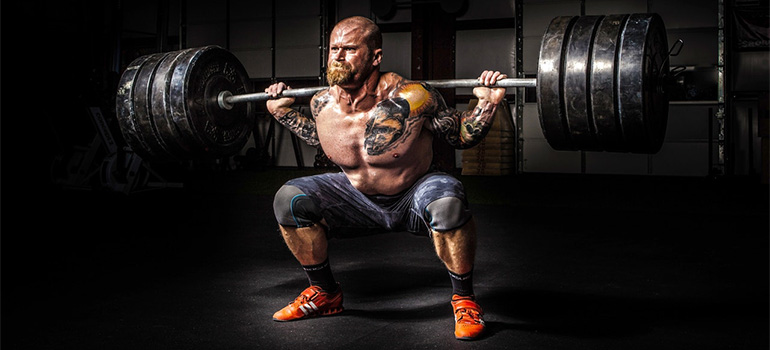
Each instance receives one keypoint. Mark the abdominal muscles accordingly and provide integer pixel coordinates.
(389, 172)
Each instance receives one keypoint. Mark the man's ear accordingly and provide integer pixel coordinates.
(377, 57)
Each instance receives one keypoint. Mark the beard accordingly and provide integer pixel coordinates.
(339, 73)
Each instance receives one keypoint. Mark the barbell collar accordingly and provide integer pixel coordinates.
(226, 99)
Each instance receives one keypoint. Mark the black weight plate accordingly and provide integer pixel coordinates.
(172, 139)
(643, 106)
(550, 77)
(143, 108)
(577, 66)
(603, 92)
(125, 107)
(198, 78)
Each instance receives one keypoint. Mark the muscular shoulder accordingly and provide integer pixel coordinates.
(422, 98)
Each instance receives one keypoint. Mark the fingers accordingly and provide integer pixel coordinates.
(276, 102)
(489, 77)
(492, 94)
(276, 89)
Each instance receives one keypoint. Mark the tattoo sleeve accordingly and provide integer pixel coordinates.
(301, 125)
(463, 129)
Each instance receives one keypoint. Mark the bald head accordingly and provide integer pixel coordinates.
(370, 32)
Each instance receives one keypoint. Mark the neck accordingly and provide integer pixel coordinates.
(360, 98)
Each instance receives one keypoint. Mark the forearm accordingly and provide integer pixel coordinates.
(465, 129)
(299, 124)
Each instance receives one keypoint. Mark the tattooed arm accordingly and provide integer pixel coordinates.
(466, 129)
(302, 126)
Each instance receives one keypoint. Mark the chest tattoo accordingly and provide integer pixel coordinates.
(388, 126)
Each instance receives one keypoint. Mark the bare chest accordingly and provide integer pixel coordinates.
(378, 136)
(341, 136)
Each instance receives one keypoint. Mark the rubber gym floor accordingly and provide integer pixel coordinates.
(565, 261)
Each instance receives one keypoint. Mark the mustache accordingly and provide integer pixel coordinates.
(339, 73)
(340, 65)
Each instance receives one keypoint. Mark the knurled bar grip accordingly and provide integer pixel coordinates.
(226, 99)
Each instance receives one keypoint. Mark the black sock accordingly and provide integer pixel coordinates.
(321, 275)
(462, 284)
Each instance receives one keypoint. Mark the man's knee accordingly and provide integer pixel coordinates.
(292, 207)
(447, 213)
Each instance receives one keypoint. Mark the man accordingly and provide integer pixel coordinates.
(379, 128)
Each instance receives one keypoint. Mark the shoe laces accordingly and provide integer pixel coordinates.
(304, 298)
(473, 314)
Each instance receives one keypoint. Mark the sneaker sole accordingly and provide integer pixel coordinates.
(468, 338)
(323, 313)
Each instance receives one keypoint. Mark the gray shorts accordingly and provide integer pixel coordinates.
(348, 212)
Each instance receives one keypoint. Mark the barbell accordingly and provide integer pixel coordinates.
(600, 87)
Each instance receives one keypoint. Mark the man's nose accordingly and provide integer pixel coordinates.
(338, 56)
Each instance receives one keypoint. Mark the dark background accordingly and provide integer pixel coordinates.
(68, 253)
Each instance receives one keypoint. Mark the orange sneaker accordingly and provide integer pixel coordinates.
(469, 323)
(313, 301)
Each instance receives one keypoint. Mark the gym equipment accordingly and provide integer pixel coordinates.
(601, 86)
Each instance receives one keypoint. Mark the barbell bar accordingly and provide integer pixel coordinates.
(600, 87)
(226, 99)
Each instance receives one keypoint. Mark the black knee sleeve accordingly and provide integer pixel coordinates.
(447, 213)
(292, 207)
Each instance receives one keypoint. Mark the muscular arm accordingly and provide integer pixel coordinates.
(463, 129)
(301, 125)
(466, 129)
(394, 119)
